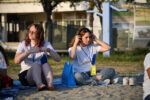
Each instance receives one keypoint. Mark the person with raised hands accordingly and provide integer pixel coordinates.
(82, 51)
(32, 54)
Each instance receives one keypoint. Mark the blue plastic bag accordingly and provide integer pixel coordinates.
(68, 75)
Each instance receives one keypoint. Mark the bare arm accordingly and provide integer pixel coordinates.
(104, 46)
(55, 55)
(73, 50)
(148, 72)
(19, 57)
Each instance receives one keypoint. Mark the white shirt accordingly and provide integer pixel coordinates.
(34, 58)
(3, 64)
(146, 83)
(82, 61)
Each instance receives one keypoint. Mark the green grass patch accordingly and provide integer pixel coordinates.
(120, 56)
(144, 22)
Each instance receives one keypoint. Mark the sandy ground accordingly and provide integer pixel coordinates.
(105, 92)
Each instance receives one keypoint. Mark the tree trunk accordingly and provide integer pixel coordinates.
(100, 17)
(91, 18)
(49, 28)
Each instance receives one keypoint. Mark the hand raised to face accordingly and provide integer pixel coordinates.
(94, 38)
(77, 39)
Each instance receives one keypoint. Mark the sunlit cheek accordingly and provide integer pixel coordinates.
(29, 35)
(88, 39)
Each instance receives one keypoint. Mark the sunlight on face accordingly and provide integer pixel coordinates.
(32, 33)
(86, 39)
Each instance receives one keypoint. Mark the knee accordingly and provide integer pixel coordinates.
(78, 76)
(108, 70)
(111, 70)
(46, 64)
(147, 97)
(107, 73)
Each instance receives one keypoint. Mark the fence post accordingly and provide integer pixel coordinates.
(107, 26)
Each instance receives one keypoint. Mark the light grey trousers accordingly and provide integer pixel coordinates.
(40, 74)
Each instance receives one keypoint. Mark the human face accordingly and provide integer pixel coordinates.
(86, 39)
(32, 33)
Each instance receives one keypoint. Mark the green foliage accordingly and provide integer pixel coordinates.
(116, 13)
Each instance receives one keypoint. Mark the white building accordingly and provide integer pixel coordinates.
(16, 15)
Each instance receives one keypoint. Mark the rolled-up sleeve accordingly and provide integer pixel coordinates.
(97, 48)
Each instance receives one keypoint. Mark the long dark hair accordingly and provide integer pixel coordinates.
(4, 54)
(81, 32)
(39, 35)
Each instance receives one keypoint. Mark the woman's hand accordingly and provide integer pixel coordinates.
(94, 38)
(43, 49)
(33, 50)
(53, 54)
(104, 46)
(73, 51)
(77, 39)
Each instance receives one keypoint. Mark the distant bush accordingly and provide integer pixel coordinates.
(116, 13)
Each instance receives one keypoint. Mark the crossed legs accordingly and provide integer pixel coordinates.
(85, 77)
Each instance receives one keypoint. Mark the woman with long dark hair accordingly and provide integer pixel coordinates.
(32, 54)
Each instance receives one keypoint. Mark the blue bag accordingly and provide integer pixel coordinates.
(68, 75)
(44, 59)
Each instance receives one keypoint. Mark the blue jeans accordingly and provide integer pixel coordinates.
(147, 97)
(84, 78)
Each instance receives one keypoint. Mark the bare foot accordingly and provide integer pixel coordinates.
(98, 77)
(42, 87)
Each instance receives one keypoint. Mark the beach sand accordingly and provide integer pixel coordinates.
(103, 92)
